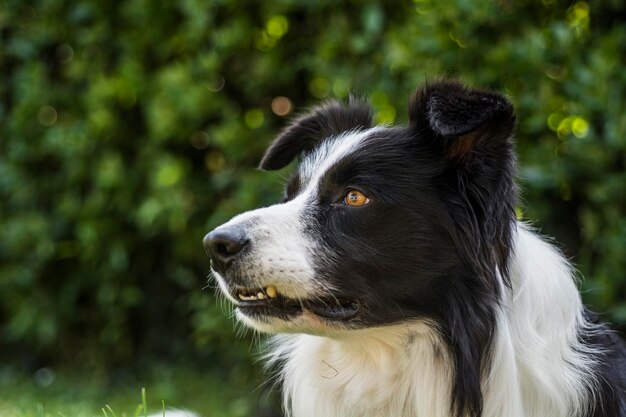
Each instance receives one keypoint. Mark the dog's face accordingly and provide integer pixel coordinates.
(377, 221)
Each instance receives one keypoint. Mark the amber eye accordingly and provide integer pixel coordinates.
(355, 199)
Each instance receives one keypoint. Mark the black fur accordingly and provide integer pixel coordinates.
(610, 398)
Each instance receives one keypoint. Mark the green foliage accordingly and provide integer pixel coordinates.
(61, 395)
(129, 129)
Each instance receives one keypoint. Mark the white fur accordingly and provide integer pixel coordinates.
(539, 368)
(542, 322)
(328, 153)
(398, 371)
(175, 413)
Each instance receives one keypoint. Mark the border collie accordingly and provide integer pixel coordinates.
(399, 280)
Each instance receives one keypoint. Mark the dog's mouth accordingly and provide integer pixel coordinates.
(267, 301)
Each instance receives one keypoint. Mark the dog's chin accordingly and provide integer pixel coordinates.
(304, 322)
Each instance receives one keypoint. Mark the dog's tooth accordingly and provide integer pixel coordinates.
(260, 296)
(271, 291)
(248, 297)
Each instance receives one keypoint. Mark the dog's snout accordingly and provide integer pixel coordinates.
(225, 244)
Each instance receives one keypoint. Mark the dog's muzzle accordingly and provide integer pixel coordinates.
(229, 248)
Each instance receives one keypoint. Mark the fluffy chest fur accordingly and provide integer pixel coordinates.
(396, 371)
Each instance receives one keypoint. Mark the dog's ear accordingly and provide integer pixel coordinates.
(471, 130)
(308, 130)
(468, 124)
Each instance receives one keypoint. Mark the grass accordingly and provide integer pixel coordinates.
(47, 394)
(142, 409)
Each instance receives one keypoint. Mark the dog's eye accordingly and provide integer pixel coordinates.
(355, 198)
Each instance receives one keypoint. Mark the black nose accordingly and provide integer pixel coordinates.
(224, 244)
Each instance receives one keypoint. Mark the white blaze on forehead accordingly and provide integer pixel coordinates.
(324, 157)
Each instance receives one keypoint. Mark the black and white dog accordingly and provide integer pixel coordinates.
(399, 279)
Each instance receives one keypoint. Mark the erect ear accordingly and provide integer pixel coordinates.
(308, 130)
(467, 123)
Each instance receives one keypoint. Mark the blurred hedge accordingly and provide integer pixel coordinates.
(128, 129)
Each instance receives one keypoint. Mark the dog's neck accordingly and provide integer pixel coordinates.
(404, 370)
(393, 371)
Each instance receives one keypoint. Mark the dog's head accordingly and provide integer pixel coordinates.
(379, 224)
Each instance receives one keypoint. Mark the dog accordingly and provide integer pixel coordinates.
(398, 279)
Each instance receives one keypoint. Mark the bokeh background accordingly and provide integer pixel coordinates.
(129, 129)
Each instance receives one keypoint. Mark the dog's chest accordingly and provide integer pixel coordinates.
(368, 376)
